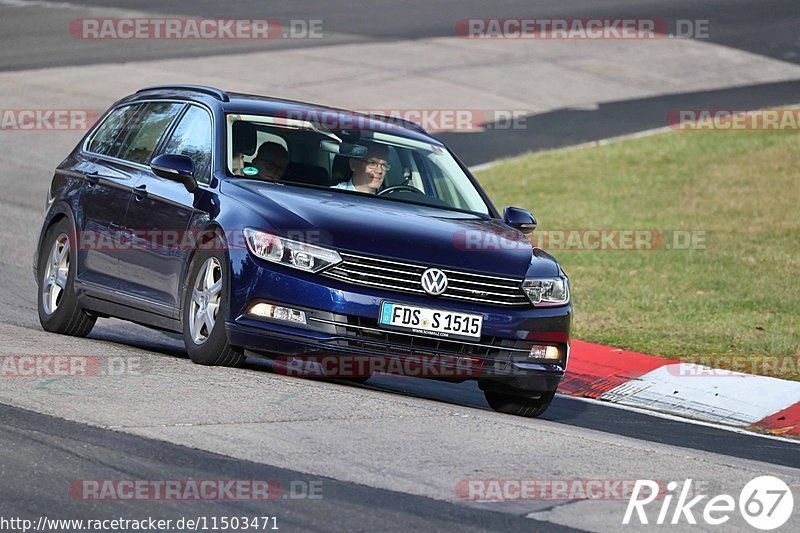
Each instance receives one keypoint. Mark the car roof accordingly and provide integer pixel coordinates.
(249, 104)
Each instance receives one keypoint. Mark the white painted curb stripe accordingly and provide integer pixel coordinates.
(707, 394)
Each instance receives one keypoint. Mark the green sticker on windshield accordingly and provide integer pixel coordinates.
(249, 171)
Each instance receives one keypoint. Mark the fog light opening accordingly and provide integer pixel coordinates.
(277, 312)
(543, 352)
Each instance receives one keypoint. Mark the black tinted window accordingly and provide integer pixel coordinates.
(142, 135)
(192, 138)
(105, 139)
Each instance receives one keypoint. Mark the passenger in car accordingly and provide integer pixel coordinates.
(238, 164)
(369, 171)
(271, 161)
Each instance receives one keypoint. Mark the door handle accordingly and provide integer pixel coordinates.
(140, 191)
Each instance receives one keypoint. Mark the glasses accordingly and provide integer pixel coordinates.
(374, 163)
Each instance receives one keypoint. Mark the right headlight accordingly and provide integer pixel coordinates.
(294, 254)
(547, 292)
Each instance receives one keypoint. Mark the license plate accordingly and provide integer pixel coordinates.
(433, 322)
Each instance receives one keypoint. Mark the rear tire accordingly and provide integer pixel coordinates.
(519, 406)
(59, 311)
(204, 310)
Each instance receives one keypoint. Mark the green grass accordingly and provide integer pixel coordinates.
(740, 295)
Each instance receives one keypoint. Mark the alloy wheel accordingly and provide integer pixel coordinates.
(55, 274)
(206, 298)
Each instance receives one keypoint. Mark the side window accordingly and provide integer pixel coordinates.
(104, 141)
(192, 138)
(395, 174)
(143, 134)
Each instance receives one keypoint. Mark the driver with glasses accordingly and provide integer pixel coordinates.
(369, 171)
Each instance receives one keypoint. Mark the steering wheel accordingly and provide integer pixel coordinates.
(408, 188)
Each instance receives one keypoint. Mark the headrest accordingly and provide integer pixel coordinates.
(341, 170)
(244, 137)
(308, 174)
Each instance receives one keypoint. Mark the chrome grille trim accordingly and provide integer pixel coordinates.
(346, 255)
(406, 277)
(493, 278)
(379, 276)
(372, 284)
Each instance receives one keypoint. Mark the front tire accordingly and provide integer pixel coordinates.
(204, 310)
(519, 406)
(59, 311)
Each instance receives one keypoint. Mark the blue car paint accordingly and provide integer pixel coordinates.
(346, 222)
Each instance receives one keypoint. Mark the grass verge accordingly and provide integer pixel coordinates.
(736, 292)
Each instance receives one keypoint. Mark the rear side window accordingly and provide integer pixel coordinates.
(192, 138)
(105, 138)
(142, 134)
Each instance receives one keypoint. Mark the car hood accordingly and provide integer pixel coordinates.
(395, 230)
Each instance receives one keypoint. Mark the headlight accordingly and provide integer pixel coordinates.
(290, 253)
(547, 292)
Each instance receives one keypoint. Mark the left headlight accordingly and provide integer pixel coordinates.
(287, 252)
(547, 292)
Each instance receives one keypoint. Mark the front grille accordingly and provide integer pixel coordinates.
(365, 333)
(406, 277)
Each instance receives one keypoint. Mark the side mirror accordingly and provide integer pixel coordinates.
(174, 167)
(519, 219)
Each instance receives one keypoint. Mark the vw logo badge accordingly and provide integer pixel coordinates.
(434, 281)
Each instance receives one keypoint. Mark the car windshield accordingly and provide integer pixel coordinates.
(349, 161)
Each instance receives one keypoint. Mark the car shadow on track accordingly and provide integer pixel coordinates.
(466, 394)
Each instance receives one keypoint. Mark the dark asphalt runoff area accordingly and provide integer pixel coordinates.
(42, 457)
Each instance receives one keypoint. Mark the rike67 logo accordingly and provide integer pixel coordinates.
(766, 503)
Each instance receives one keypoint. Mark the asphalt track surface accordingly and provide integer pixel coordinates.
(43, 454)
(34, 37)
(69, 447)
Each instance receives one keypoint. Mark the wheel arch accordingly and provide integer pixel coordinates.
(58, 212)
(212, 230)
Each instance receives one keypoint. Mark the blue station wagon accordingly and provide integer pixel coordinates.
(314, 236)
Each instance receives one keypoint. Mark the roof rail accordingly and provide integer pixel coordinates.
(212, 91)
(397, 120)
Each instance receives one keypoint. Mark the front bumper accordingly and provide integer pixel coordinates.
(342, 321)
